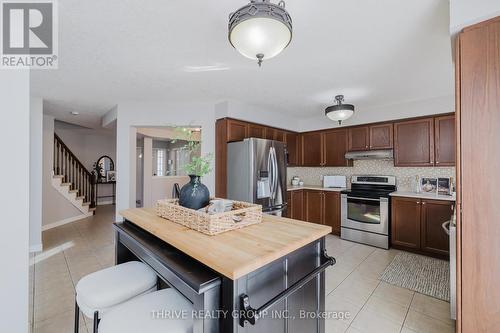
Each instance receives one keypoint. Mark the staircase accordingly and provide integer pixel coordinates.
(72, 179)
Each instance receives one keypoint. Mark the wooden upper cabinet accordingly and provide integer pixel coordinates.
(405, 222)
(312, 149)
(279, 135)
(444, 138)
(414, 142)
(335, 147)
(269, 133)
(313, 203)
(292, 145)
(236, 130)
(381, 136)
(331, 215)
(256, 131)
(433, 238)
(359, 138)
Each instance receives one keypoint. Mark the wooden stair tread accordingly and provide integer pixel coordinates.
(86, 204)
(80, 197)
(73, 191)
(92, 209)
(58, 176)
(66, 184)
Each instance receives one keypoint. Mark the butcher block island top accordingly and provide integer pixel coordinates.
(233, 253)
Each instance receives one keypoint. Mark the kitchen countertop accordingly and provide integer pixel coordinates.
(423, 195)
(315, 187)
(233, 253)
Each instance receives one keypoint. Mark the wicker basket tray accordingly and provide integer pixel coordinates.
(242, 215)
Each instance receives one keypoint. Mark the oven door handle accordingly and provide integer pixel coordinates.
(359, 198)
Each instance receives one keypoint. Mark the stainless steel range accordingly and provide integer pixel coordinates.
(365, 210)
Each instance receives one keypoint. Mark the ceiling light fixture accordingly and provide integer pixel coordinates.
(260, 30)
(340, 111)
(75, 113)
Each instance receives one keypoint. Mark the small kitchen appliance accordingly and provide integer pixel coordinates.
(365, 210)
(335, 181)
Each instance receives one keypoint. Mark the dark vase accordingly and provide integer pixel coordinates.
(194, 194)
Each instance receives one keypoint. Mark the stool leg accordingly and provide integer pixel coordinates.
(77, 317)
(96, 321)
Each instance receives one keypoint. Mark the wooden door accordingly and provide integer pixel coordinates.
(444, 140)
(405, 222)
(312, 149)
(381, 136)
(359, 138)
(256, 131)
(479, 227)
(313, 204)
(331, 215)
(292, 144)
(335, 147)
(297, 201)
(414, 142)
(236, 130)
(433, 238)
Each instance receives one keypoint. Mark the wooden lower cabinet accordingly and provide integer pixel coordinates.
(416, 225)
(321, 207)
(331, 215)
(313, 203)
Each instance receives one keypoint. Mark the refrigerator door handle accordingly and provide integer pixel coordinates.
(275, 172)
(270, 173)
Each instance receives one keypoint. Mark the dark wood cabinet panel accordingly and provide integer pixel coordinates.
(405, 222)
(381, 136)
(414, 142)
(313, 203)
(331, 216)
(270, 133)
(444, 138)
(236, 130)
(335, 147)
(359, 138)
(289, 202)
(292, 144)
(279, 135)
(312, 149)
(433, 238)
(297, 203)
(256, 131)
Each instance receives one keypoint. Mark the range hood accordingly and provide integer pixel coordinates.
(385, 154)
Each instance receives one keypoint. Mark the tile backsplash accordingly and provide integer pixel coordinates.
(405, 176)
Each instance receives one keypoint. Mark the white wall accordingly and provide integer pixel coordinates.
(15, 113)
(55, 207)
(137, 114)
(36, 160)
(433, 106)
(467, 12)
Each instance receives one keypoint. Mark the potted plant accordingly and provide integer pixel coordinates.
(195, 194)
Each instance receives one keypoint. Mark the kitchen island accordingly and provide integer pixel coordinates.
(267, 277)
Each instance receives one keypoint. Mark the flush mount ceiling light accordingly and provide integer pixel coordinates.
(75, 113)
(260, 30)
(340, 111)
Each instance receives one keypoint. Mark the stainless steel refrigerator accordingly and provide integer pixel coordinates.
(256, 172)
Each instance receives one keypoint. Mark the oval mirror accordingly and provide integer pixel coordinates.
(103, 166)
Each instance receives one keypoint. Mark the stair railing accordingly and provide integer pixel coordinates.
(74, 172)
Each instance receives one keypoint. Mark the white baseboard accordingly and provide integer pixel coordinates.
(36, 248)
(107, 202)
(65, 221)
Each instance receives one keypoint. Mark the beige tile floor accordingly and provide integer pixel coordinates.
(352, 285)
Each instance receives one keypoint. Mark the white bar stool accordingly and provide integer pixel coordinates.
(100, 291)
(164, 311)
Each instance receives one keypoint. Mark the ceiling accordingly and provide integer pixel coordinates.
(376, 53)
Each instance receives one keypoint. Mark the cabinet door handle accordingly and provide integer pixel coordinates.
(423, 202)
(437, 162)
(418, 202)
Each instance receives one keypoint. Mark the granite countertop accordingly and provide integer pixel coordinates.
(422, 195)
(315, 187)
